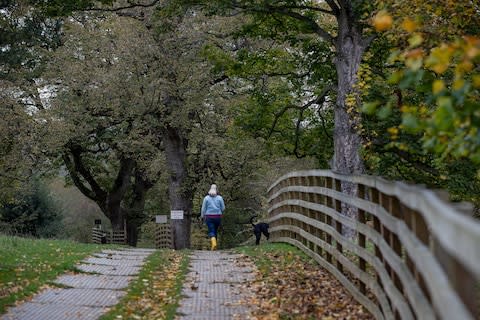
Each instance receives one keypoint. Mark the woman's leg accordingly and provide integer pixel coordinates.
(217, 222)
(212, 230)
(213, 224)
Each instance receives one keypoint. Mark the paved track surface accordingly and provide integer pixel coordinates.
(216, 287)
(85, 296)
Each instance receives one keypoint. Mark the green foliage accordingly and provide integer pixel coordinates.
(29, 264)
(62, 8)
(437, 76)
(109, 128)
(16, 138)
(24, 33)
(420, 124)
(33, 213)
(286, 102)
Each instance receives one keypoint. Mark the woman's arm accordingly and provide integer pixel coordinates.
(204, 207)
(222, 204)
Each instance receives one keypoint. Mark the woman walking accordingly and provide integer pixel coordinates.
(212, 210)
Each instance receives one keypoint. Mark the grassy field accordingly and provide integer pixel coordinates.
(26, 265)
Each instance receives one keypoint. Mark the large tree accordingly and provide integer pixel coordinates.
(342, 26)
(138, 88)
(25, 34)
(101, 122)
(188, 111)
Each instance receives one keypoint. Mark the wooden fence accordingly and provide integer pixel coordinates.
(416, 256)
(101, 236)
(163, 236)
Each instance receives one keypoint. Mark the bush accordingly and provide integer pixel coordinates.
(32, 213)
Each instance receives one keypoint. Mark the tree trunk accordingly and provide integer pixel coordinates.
(136, 214)
(350, 47)
(109, 201)
(116, 215)
(115, 197)
(133, 229)
(179, 194)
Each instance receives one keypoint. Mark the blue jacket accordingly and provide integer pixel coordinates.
(212, 205)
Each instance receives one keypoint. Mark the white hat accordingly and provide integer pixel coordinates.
(213, 190)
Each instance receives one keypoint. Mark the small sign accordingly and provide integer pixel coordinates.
(161, 219)
(176, 214)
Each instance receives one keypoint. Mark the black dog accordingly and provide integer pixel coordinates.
(258, 229)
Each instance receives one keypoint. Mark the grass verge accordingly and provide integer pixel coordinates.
(262, 256)
(291, 285)
(26, 264)
(156, 292)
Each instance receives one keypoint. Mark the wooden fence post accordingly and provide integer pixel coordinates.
(338, 224)
(463, 282)
(328, 219)
(362, 238)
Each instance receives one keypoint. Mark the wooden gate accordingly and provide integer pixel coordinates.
(163, 236)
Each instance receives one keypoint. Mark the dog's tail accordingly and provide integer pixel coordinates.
(251, 220)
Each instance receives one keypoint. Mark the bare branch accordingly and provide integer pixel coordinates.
(315, 27)
(311, 8)
(130, 6)
(297, 136)
(317, 100)
(324, 127)
(284, 10)
(96, 193)
(76, 178)
(335, 8)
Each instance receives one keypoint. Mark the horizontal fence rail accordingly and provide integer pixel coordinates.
(100, 236)
(414, 255)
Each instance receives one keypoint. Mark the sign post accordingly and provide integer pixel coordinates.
(176, 214)
(162, 219)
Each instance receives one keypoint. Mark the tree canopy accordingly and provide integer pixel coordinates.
(126, 95)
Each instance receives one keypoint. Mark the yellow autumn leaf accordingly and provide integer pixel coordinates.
(458, 84)
(414, 54)
(414, 59)
(393, 133)
(382, 21)
(473, 41)
(472, 52)
(476, 81)
(437, 86)
(409, 25)
(439, 59)
(464, 66)
(423, 110)
(414, 64)
(439, 68)
(415, 40)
